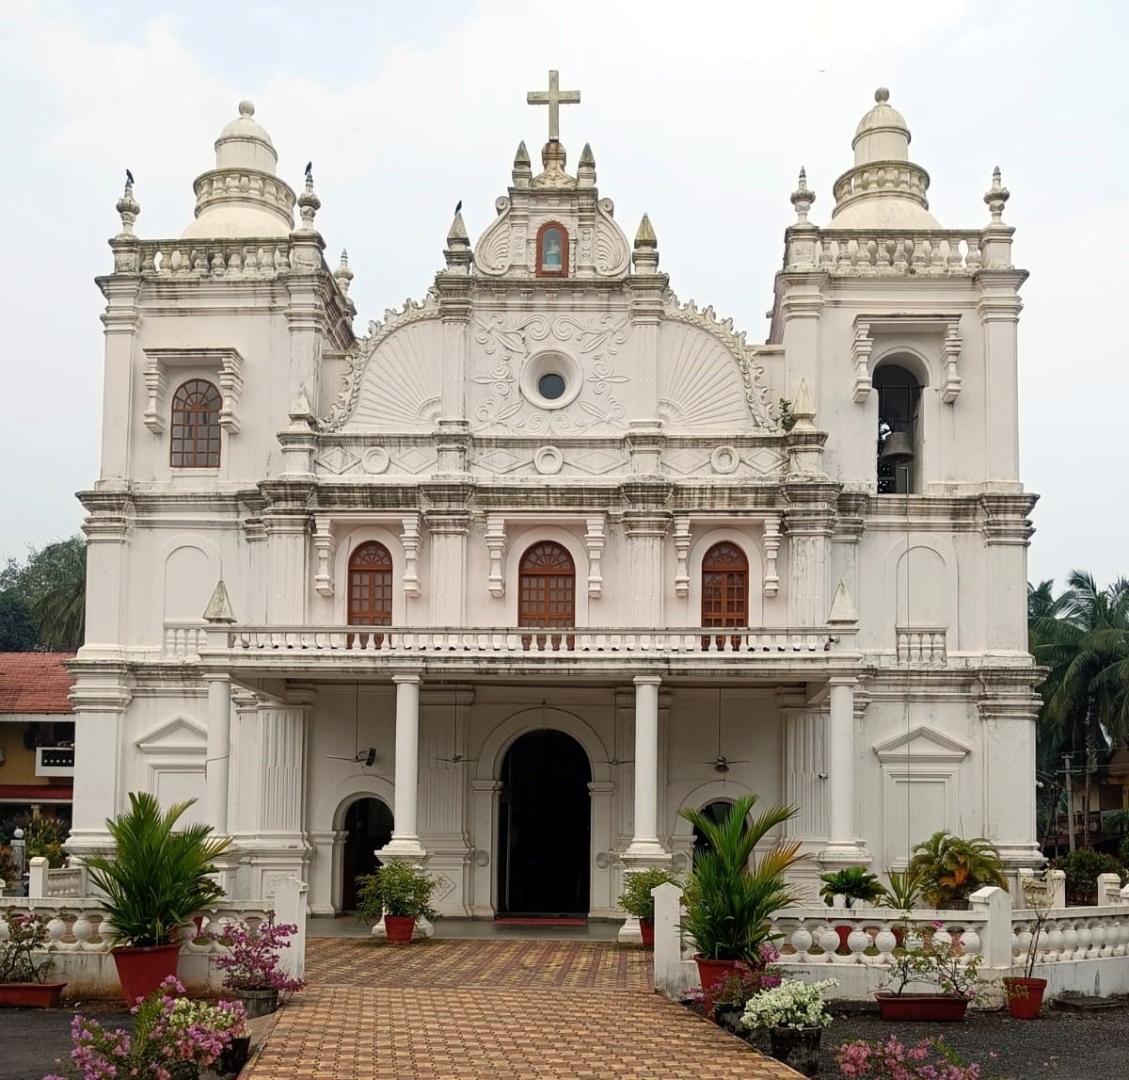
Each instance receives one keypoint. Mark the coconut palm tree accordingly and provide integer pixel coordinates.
(1082, 636)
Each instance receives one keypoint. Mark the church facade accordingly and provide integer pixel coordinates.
(508, 579)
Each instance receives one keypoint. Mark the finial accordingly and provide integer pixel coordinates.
(646, 254)
(996, 197)
(802, 198)
(308, 202)
(586, 167)
(882, 95)
(457, 252)
(344, 273)
(523, 171)
(127, 206)
(300, 410)
(457, 234)
(246, 108)
(803, 408)
(219, 607)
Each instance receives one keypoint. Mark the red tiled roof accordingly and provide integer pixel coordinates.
(36, 792)
(35, 682)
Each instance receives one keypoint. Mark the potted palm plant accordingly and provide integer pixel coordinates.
(732, 893)
(950, 869)
(848, 885)
(24, 966)
(637, 900)
(401, 891)
(154, 882)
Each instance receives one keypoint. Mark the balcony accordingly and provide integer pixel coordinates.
(595, 650)
(54, 761)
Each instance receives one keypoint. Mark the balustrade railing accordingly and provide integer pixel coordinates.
(208, 258)
(487, 642)
(895, 252)
(921, 644)
(183, 640)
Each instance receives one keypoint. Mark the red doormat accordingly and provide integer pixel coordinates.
(502, 920)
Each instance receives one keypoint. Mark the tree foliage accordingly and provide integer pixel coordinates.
(17, 627)
(50, 587)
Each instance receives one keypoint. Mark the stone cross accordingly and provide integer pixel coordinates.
(554, 98)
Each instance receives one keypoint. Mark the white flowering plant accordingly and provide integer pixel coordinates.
(792, 1004)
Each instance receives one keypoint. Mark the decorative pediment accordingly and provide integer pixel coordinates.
(922, 744)
(180, 735)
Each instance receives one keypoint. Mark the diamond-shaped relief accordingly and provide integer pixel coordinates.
(414, 460)
(444, 886)
(500, 461)
(595, 462)
(686, 461)
(337, 460)
(763, 461)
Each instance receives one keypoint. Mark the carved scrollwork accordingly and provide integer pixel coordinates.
(613, 255)
(493, 254)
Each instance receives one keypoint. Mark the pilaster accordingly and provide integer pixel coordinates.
(286, 520)
(645, 526)
(1007, 534)
(448, 524)
(121, 321)
(107, 532)
(808, 522)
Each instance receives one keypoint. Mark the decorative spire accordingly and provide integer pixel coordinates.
(219, 607)
(523, 169)
(344, 273)
(300, 412)
(802, 198)
(308, 202)
(586, 168)
(128, 206)
(803, 408)
(646, 257)
(457, 253)
(996, 197)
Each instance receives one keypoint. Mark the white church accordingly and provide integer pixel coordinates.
(505, 580)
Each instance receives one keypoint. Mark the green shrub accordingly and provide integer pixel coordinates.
(397, 888)
(45, 837)
(636, 898)
(1082, 868)
(852, 883)
(950, 869)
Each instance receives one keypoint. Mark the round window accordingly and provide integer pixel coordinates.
(551, 385)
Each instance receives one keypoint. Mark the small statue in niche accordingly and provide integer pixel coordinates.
(552, 251)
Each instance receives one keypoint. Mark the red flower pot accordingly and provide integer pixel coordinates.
(647, 930)
(399, 928)
(31, 995)
(141, 971)
(712, 972)
(1024, 996)
(942, 1007)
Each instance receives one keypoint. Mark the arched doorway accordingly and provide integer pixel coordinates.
(717, 812)
(367, 827)
(544, 827)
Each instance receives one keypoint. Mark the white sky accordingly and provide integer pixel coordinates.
(700, 114)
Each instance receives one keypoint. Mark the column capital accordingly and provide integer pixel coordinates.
(843, 680)
(408, 677)
(648, 680)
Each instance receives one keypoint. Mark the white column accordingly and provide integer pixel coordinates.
(645, 841)
(216, 768)
(405, 834)
(843, 844)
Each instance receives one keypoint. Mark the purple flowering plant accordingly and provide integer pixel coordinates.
(168, 1029)
(930, 1059)
(251, 962)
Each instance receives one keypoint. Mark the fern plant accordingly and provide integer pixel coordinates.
(951, 868)
(852, 883)
(158, 876)
(733, 893)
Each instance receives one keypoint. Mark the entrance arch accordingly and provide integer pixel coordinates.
(367, 825)
(544, 827)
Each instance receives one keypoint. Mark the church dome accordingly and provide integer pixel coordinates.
(884, 190)
(242, 196)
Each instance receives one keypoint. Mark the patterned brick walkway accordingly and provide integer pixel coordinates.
(493, 1010)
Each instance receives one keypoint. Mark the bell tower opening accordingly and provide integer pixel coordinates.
(899, 395)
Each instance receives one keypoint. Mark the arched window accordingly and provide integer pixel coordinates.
(899, 394)
(195, 442)
(547, 587)
(370, 586)
(725, 586)
(552, 250)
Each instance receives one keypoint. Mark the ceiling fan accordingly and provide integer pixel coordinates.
(456, 758)
(615, 759)
(721, 763)
(366, 757)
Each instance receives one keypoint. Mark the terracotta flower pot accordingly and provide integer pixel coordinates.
(647, 930)
(798, 1048)
(937, 1007)
(141, 971)
(712, 972)
(399, 928)
(32, 995)
(1024, 996)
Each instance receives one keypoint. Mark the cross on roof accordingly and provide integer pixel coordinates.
(554, 98)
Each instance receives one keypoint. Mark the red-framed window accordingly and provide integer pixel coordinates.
(195, 436)
(370, 586)
(552, 250)
(547, 587)
(725, 586)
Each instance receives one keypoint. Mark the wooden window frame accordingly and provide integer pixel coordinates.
(537, 266)
(735, 567)
(194, 432)
(546, 619)
(379, 580)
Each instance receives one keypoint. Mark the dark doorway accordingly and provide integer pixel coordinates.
(368, 826)
(717, 812)
(544, 823)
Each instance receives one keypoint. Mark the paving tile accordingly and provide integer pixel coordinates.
(493, 1010)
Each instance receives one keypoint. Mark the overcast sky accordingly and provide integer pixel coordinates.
(699, 113)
